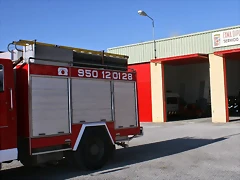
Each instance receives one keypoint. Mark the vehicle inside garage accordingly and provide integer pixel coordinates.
(233, 87)
(232, 61)
(187, 87)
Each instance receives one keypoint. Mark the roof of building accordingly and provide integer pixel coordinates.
(177, 37)
(195, 43)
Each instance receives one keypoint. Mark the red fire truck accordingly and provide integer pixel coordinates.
(60, 102)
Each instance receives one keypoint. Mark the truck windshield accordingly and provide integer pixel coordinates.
(1, 78)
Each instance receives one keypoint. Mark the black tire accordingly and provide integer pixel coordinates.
(112, 152)
(94, 150)
(27, 163)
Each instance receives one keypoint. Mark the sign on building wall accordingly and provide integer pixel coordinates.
(226, 38)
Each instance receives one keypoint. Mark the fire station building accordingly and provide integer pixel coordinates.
(200, 70)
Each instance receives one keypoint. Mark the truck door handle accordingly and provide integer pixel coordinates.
(11, 99)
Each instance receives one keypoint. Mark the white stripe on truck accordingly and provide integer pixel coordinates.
(8, 154)
(82, 131)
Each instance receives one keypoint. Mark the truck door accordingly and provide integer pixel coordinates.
(6, 92)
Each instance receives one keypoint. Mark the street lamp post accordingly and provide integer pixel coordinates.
(142, 13)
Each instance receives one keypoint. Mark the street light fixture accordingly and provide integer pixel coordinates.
(142, 13)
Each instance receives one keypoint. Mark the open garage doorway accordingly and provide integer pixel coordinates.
(232, 73)
(186, 87)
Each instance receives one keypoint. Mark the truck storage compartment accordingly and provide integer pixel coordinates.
(125, 104)
(53, 55)
(50, 105)
(91, 100)
(85, 60)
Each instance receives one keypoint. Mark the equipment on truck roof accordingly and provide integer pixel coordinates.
(81, 57)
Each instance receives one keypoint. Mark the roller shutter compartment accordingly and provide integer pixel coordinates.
(125, 104)
(91, 100)
(50, 110)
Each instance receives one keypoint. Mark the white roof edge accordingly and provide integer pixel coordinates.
(176, 37)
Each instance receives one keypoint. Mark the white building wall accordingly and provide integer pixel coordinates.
(157, 93)
(218, 98)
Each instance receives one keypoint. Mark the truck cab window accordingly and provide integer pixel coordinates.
(1, 78)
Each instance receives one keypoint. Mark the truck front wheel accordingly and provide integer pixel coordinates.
(94, 149)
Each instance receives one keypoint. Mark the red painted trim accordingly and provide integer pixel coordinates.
(22, 91)
(144, 91)
(81, 72)
(164, 96)
(60, 140)
(39, 69)
(224, 52)
(227, 54)
(137, 104)
(128, 131)
(226, 88)
(189, 56)
(49, 141)
(111, 128)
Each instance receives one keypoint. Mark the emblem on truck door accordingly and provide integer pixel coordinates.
(62, 71)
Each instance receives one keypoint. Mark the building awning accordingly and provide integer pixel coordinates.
(184, 59)
(232, 54)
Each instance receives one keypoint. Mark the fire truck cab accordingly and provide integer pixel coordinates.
(63, 102)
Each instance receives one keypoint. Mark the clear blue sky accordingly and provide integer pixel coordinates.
(100, 24)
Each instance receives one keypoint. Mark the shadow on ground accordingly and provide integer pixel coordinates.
(123, 158)
(201, 119)
(234, 119)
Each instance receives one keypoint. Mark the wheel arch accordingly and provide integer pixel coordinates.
(99, 125)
